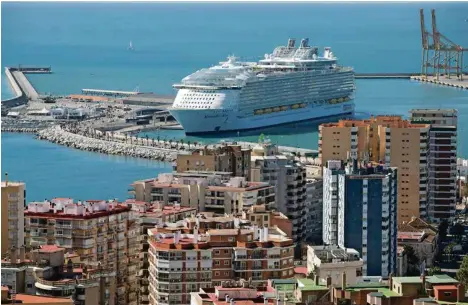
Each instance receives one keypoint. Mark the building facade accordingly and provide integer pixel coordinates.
(229, 158)
(185, 260)
(95, 230)
(289, 179)
(205, 191)
(13, 202)
(442, 161)
(392, 141)
(360, 213)
(333, 261)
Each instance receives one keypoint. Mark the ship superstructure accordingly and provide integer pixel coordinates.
(292, 84)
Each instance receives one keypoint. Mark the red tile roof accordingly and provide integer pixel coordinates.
(50, 248)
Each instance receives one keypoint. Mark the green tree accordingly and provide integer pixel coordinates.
(435, 270)
(448, 251)
(457, 230)
(462, 274)
(413, 260)
(443, 227)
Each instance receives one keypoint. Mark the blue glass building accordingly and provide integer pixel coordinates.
(360, 212)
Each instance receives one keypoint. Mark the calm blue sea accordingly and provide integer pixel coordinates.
(86, 45)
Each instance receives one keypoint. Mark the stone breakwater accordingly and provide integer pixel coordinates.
(60, 136)
(24, 126)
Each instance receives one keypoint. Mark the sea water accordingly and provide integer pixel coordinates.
(87, 46)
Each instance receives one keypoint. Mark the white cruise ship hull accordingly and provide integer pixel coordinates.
(201, 121)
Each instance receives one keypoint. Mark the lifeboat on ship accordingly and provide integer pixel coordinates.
(268, 110)
(276, 109)
(303, 105)
(258, 111)
(295, 106)
(284, 108)
(341, 100)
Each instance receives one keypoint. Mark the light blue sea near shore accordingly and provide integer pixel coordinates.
(86, 45)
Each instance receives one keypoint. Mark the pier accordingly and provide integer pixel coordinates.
(384, 75)
(21, 85)
(115, 93)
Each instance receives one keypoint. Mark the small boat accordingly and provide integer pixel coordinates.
(130, 46)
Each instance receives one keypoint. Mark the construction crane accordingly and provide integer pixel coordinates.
(442, 54)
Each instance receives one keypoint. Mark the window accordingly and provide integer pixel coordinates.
(447, 293)
(226, 263)
(216, 273)
(217, 263)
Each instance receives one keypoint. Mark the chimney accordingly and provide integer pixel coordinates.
(22, 254)
(460, 293)
(6, 179)
(195, 235)
(329, 281)
(13, 255)
(343, 281)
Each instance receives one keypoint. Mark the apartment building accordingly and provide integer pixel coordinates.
(332, 261)
(289, 179)
(46, 274)
(184, 260)
(314, 207)
(359, 212)
(442, 161)
(388, 139)
(148, 216)
(206, 191)
(228, 158)
(95, 230)
(13, 202)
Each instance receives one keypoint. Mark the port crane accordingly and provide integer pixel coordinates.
(444, 56)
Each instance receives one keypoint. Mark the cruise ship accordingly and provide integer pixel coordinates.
(293, 84)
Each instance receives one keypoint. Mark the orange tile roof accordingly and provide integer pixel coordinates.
(25, 298)
(445, 287)
(50, 248)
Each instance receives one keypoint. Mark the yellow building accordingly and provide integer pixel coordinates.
(229, 158)
(13, 202)
(389, 140)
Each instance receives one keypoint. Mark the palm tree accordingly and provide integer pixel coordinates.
(188, 143)
(170, 143)
(158, 139)
(152, 140)
(182, 142)
(147, 139)
(126, 137)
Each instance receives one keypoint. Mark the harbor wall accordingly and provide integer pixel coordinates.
(20, 98)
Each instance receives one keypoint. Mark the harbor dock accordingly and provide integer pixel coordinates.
(444, 81)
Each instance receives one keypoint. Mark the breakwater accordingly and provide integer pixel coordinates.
(26, 126)
(20, 98)
(106, 144)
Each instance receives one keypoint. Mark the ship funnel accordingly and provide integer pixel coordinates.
(305, 43)
(291, 42)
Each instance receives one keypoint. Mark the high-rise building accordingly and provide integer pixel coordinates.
(229, 158)
(390, 140)
(206, 191)
(360, 213)
(149, 215)
(314, 206)
(442, 161)
(289, 179)
(184, 260)
(98, 231)
(13, 202)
